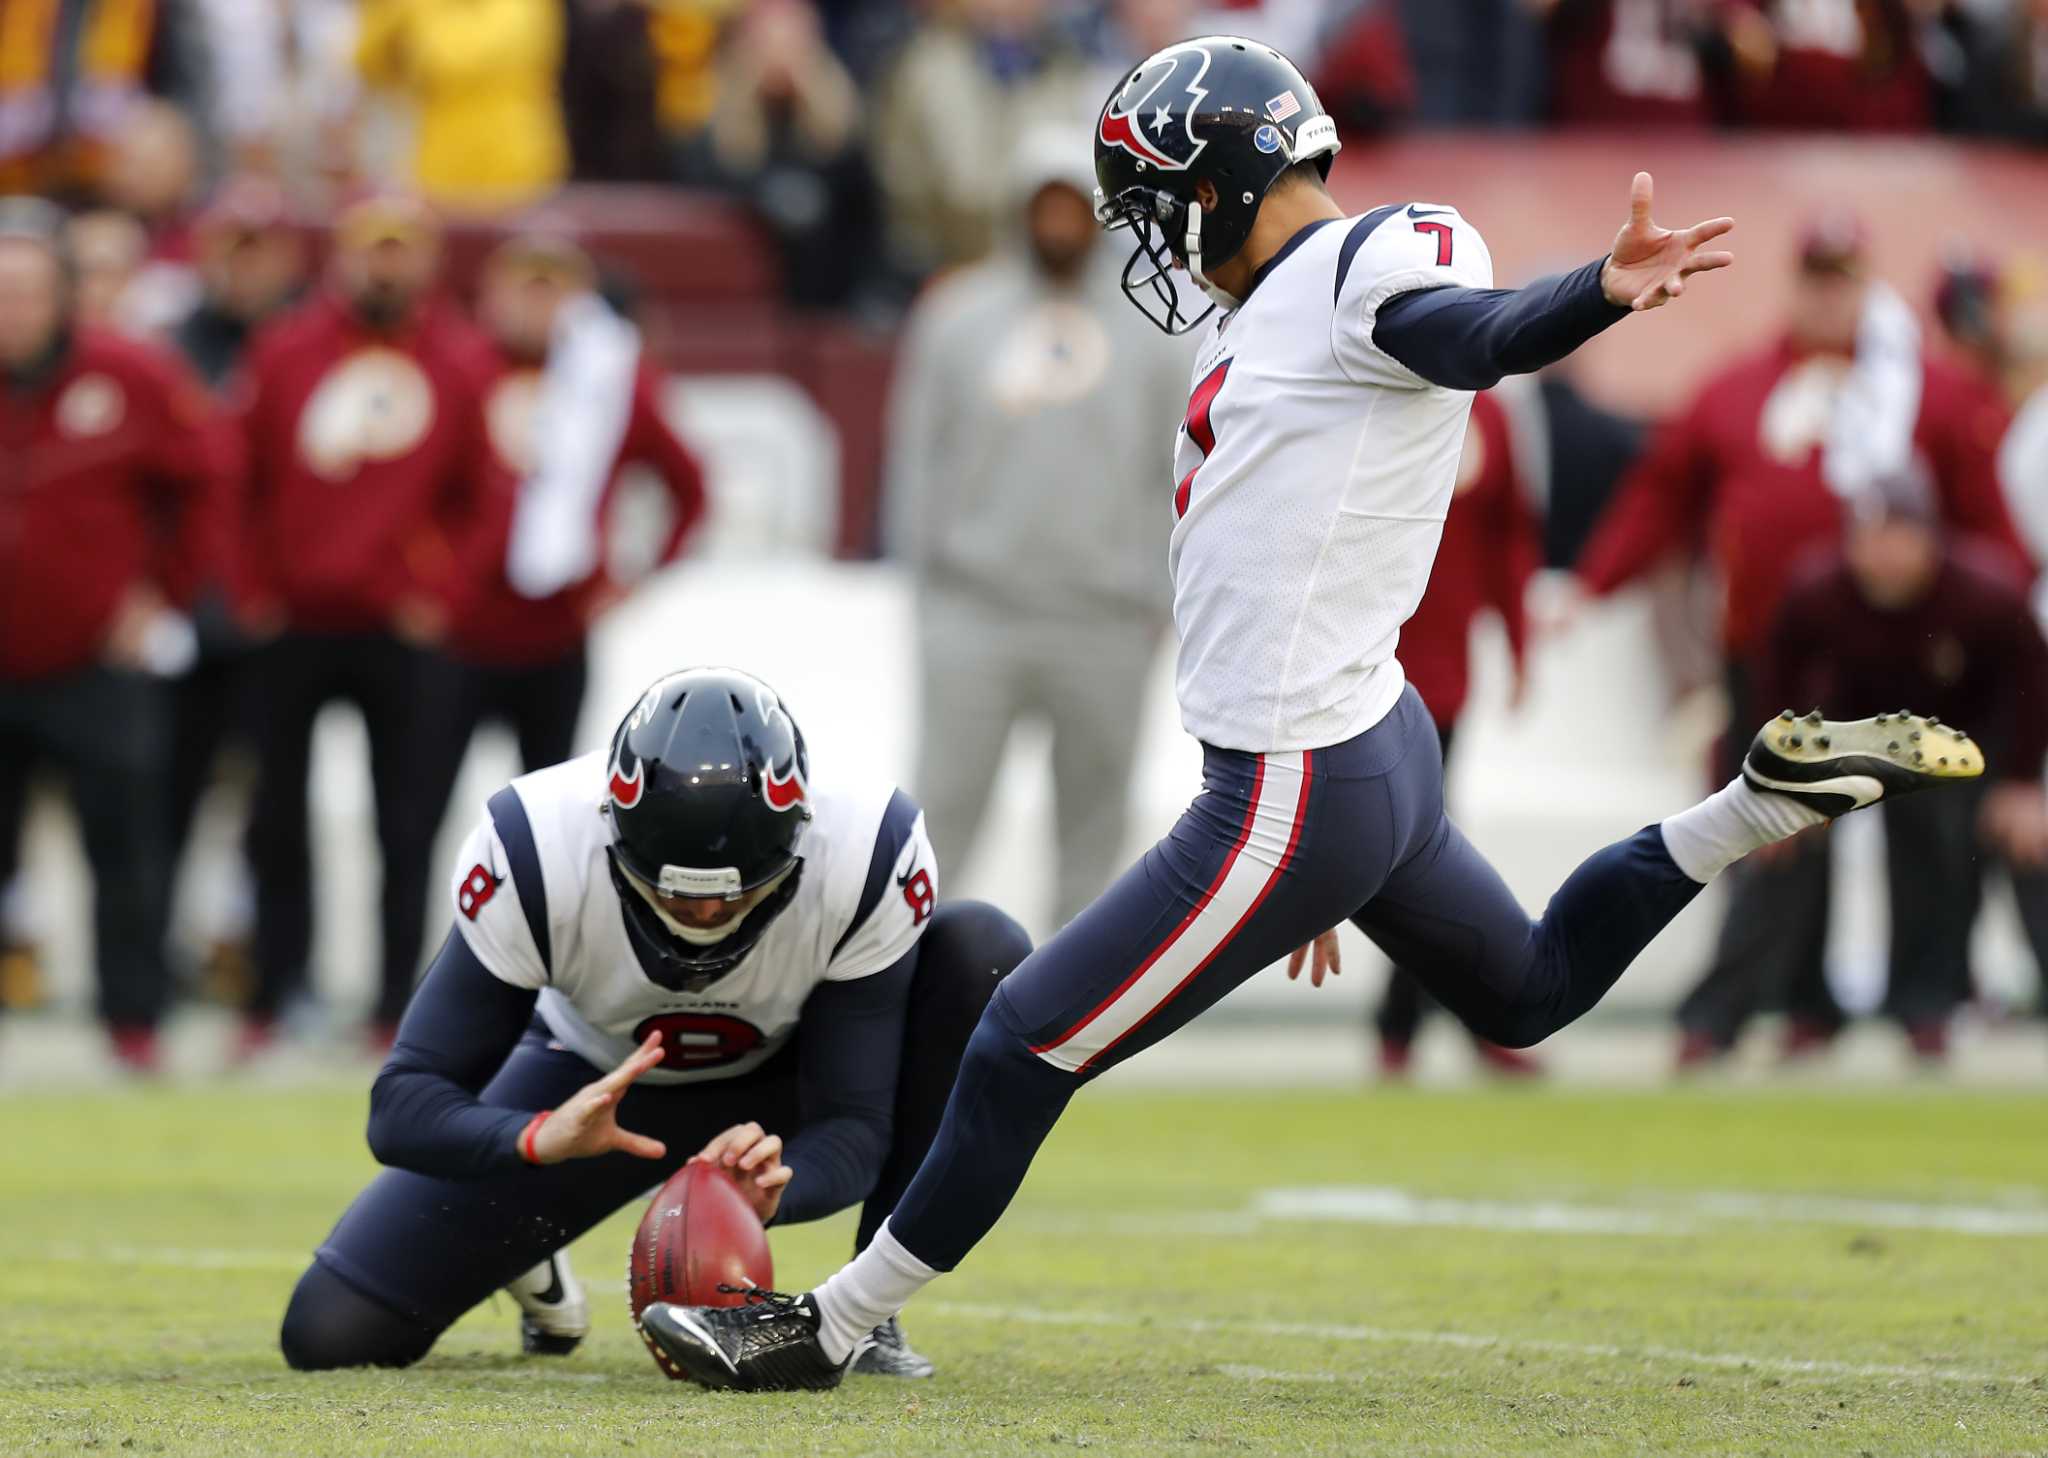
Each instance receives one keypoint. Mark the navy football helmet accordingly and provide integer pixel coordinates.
(1220, 109)
(708, 798)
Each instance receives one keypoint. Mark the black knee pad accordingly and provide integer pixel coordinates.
(969, 948)
(964, 954)
(329, 1323)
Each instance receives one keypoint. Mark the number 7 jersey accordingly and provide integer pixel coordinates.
(1313, 472)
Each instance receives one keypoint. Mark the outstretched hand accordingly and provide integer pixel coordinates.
(588, 1123)
(1649, 265)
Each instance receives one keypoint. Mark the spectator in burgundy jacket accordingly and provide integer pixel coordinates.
(1834, 65)
(1754, 472)
(251, 267)
(112, 466)
(369, 478)
(521, 658)
(1633, 63)
(1742, 472)
(1902, 613)
(1490, 549)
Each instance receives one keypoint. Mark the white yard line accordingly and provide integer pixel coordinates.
(1366, 1205)
(1893, 1214)
(1677, 1215)
(1268, 1374)
(1469, 1341)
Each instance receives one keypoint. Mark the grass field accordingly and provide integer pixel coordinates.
(1490, 1272)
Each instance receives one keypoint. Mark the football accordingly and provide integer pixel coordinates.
(698, 1234)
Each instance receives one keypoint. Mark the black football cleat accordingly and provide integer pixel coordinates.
(768, 1345)
(891, 1355)
(1835, 767)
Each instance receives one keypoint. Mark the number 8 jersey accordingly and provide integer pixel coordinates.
(534, 900)
(1313, 473)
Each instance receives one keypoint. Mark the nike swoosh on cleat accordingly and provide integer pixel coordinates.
(1863, 789)
(704, 1338)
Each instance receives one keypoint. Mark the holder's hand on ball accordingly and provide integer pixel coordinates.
(754, 1158)
(588, 1124)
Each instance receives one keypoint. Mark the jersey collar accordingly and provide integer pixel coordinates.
(1286, 248)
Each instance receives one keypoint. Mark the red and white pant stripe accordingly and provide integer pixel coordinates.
(1265, 844)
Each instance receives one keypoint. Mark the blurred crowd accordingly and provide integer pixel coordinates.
(872, 137)
(256, 457)
(304, 490)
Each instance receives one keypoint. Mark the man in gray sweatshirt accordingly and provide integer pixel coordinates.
(1031, 491)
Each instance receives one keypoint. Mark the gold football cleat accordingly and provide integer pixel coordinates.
(1836, 766)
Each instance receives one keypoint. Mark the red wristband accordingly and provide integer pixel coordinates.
(526, 1136)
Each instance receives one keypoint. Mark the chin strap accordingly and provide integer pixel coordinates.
(1193, 253)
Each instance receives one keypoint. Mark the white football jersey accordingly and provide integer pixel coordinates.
(1314, 472)
(535, 901)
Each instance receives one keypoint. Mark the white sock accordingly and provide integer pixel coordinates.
(867, 1291)
(1730, 823)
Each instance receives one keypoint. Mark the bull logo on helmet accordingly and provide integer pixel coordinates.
(1153, 117)
(626, 789)
(782, 790)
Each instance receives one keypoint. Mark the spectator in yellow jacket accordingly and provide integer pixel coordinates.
(482, 77)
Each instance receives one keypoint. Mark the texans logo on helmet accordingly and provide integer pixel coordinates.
(783, 792)
(1153, 117)
(626, 788)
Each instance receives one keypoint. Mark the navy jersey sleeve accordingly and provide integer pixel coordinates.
(849, 1052)
(424, 1111)
(1467, 339)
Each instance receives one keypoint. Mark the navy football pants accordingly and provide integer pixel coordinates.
(1276, 849)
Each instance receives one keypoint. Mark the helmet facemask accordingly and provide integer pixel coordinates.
(686, 959)
(742, 904)
(1153, 216)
